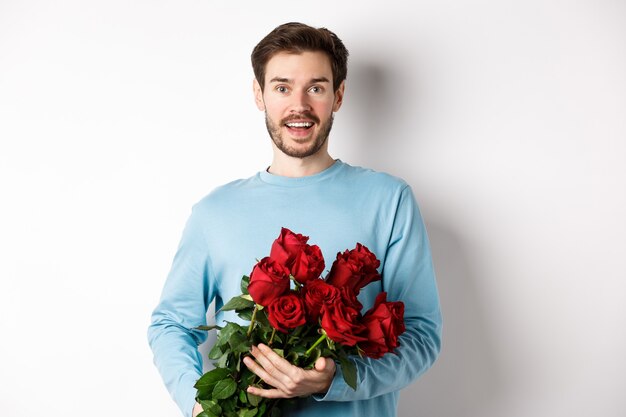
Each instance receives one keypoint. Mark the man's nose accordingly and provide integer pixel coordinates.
(300, 102)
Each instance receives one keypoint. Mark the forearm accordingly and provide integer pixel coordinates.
(177, 358)
(183, 305)
(418, 350)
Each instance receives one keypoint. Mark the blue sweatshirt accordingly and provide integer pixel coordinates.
(235, 225)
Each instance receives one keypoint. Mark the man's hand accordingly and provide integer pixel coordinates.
(288, 380)
(197, 409)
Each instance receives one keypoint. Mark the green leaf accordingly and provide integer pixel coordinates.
(222, 361)
(214, 326)
(246, 314)
(224, 336)
(243, 397)
(247, 413)
(278, 338)
(261, 318)
(211, 378)
(292, 357)
(246, 377)
(237, 303)
(207, 414)
(239, 343)
(229, 407)
(224, 389)
(215, 352)
(211, 407)
(254, 400)
(245, 281)
(348, 369)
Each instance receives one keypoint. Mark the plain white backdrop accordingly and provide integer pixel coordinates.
(508, 118)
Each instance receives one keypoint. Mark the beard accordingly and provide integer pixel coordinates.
(318, 141)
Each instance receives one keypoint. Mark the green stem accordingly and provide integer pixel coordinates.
(252, 322)
(272, 337)
(317, 342)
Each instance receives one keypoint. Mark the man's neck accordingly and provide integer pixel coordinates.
(288, 166)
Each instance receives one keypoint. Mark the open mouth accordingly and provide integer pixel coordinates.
(299, 129)
(299, 125)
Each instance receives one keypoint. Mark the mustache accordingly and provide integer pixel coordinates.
(301, 116)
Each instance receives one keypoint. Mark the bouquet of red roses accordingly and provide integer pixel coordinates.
(302, 317)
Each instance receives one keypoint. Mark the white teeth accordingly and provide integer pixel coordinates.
(300, 124)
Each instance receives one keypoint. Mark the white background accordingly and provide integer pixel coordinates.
(508, 118)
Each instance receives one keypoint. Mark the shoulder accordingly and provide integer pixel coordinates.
(226, 194)
(374, 180)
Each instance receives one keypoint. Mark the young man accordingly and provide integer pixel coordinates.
(299, 83)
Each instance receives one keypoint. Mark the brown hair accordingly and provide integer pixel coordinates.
(296, 38)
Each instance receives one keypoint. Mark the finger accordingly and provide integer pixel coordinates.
(267, 393)
(281, 364)
(273, 366)
(259, 371)
(325, 365)
(320, 364)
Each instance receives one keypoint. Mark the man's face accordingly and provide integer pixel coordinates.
(299, 101)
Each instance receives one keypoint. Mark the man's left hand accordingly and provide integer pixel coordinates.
(288, 380)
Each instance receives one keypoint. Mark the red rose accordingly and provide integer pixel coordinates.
(316, 293)
(268, 281)
(308, 265)
(341, 323)
(384, 323)
(349, 298)
(305, 262)
(286, 312)
(354, 268)
(288, 246)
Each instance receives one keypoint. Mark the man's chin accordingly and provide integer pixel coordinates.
(300, 150)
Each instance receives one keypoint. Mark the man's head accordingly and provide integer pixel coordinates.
(297, 38)
(299, 84)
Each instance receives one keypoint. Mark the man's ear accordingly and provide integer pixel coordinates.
(339, 96)
(258, 95)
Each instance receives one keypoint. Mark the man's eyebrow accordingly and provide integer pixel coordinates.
(289, 81)
(320, 80)
(280, 80)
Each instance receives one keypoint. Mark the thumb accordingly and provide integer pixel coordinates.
(323, 364)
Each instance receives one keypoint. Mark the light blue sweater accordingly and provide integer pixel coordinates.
(237, 223)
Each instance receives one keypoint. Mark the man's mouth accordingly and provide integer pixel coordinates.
(299, 125)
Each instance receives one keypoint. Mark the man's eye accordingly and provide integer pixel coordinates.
(315, 89)
(281, 89)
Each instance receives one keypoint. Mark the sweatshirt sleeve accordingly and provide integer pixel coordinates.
(184, 301)
(408, 276)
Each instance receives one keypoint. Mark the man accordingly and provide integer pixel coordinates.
(299, 83)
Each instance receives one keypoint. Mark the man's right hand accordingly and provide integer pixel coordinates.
(197, 409)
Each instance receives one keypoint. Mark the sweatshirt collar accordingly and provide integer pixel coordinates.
(301, 181)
